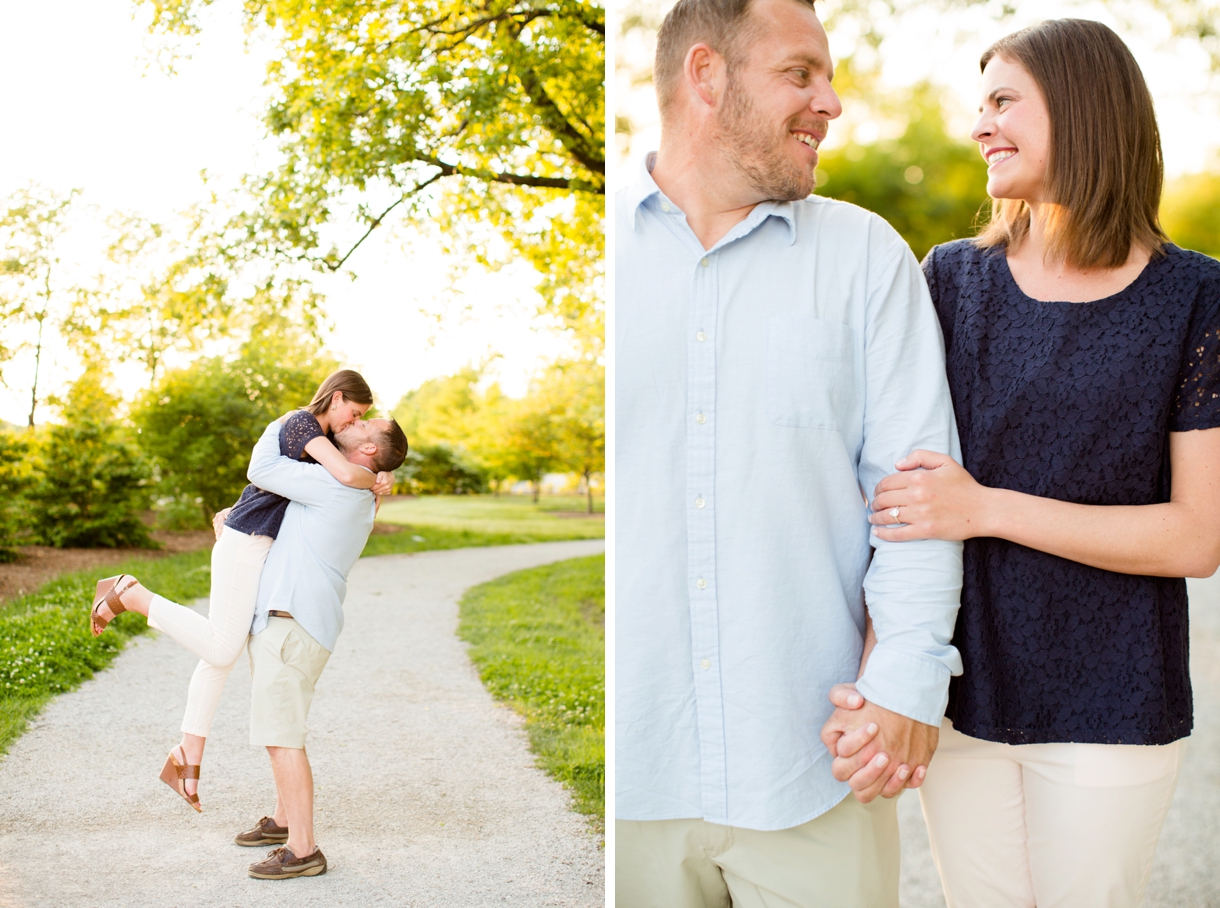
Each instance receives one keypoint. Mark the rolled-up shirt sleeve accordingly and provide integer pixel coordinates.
(912, 589)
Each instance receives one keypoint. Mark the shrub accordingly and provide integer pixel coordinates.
(89, 488)
(439, 470)
(15, 479)
(200, 423)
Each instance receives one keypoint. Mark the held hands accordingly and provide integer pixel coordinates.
(936, 499)
(383, 484)
(874, 749)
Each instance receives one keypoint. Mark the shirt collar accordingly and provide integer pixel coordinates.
(645, 188)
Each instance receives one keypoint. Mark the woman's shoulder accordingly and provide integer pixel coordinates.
(1189, 263)
(958, 254)
(302, 419)
(958, 270)
(1184, 280)
(300, 429)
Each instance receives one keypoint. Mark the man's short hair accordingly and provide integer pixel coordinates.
(720, 24)
(391, 447)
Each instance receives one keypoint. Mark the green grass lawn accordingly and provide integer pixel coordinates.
(538, 640)
(512, 518)
(46, 647)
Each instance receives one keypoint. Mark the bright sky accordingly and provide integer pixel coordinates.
(946, 49)
(85, 107)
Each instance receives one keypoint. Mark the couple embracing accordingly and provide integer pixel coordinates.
(884, 527)
(279, 578)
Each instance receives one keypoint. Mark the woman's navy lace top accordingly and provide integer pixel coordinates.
(1074, 401)
(258, 512)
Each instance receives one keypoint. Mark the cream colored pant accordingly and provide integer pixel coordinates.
(1051, 825)
(218, 639)
(846, 858)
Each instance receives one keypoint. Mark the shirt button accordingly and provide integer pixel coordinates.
(704, 262)
(699, 502)
(700, 336)
(700, 418)
(701, 583)
(705, 664)
(665, 206)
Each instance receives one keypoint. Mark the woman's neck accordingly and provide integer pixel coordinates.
(1055, 279)
(324, 422)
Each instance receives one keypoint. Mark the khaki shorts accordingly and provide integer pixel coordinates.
(846, 858)
(285, 663)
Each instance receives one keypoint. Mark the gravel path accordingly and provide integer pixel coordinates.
(426, 792)
(1186, 872)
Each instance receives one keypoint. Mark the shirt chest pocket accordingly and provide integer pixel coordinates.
(810, 374)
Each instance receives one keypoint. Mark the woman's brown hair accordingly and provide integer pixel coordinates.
(351, 384)
(1104, 170)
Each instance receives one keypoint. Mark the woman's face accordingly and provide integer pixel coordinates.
(1013, 132)
(343, 413)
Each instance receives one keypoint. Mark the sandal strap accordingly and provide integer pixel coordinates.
(188, 772)
(112, 597)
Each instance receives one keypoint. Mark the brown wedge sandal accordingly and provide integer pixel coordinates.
(108, 593)
(175, 774)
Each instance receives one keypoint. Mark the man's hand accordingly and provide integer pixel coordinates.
(874, 749)
(384, 484)
(218, 522)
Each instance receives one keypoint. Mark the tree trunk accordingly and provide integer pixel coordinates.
(537, 484)
(589, 490)
(37, 362)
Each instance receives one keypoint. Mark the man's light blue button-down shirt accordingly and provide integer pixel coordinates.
(761, 386)
(323, 533)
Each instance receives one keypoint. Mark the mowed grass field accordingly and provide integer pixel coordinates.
(506, 518)
(538, 640)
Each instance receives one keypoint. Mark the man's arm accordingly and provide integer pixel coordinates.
(304, 482)
(912, 591)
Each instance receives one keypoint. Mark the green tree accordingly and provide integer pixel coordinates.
(16, 477)
(177, 287)
(577, 394)
(930, 186)
(529, 441)
(498, 104)
(199, 423)
(1190, 212)
(91, 482)
(32, 224)
(439, 470)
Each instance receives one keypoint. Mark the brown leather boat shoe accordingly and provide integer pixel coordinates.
(282, 864)
(265, 833)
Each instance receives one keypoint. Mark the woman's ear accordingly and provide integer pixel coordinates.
(336, 399)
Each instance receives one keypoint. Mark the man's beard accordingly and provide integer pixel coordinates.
(344, 445)
(753, 150)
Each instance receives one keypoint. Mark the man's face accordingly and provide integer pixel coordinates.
(778, 101)
(360, 432)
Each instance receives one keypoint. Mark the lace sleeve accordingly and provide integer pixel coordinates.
(299, 430)
(1197, 403)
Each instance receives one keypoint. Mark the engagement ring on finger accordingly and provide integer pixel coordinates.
(894, 513)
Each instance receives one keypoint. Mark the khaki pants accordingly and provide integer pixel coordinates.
(846, 858)
(1052, 825)
(285, 663)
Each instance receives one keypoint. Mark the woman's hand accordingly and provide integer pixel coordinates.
(218, 522)
(936, 499)
(384, 484)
